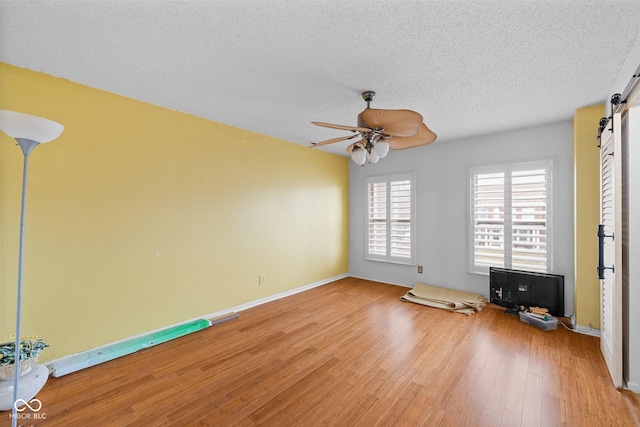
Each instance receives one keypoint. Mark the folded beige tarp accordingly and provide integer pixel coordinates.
(446, 299)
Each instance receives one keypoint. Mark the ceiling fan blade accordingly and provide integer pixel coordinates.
(394, 122)
(424, 137)
(333, 140)
(343, 127)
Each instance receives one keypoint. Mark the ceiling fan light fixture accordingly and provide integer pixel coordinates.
(373, 157)
(359, 155)
(381, 148)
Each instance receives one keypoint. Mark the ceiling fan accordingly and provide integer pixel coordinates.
(380, 131)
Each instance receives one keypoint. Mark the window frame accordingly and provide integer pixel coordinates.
(508, 168)
(388, 179)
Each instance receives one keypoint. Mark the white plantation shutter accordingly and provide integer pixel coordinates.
(400, 210)
(529, 220)
(390, 218)
(488, 217)
(377, 218)
(510, 216)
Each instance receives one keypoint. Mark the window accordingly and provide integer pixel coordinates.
(511, 221)
(390, 218)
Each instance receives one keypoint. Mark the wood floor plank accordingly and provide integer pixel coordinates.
(349, 353)
(517, 383)
(510, 419)
(489, 419)
(533, 396)
(551, 411)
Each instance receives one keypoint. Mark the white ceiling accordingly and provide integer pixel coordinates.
(272, 66)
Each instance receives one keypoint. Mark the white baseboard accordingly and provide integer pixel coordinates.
(587, 330)
(275, 297)
(404, 285)
(66, 360)
(634, 387)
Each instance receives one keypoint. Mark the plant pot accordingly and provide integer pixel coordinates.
(8, 371)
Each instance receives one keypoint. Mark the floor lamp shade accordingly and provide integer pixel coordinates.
(25, 126)
(29, 131)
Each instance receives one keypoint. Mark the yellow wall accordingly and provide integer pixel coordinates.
(586, 169)
(139, 217)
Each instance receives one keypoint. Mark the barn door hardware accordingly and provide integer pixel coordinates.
(616, 99)
(601, 237)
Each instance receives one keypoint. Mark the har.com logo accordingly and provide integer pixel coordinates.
(35, 405)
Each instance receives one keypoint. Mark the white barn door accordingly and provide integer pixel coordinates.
(610, 232)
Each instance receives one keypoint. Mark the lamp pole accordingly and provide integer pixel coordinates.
(27, 147)
(29, 131)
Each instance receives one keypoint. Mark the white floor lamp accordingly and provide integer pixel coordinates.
(30, 131)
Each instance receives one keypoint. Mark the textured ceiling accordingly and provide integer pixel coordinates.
(273, 66)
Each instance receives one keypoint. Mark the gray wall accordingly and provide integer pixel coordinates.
(442, 208)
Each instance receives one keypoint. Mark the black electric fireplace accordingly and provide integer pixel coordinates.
(515, 288)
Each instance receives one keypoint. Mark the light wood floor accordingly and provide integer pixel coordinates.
(350, 354)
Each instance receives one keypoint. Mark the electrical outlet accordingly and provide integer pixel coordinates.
(419, 269)
(261, 279)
